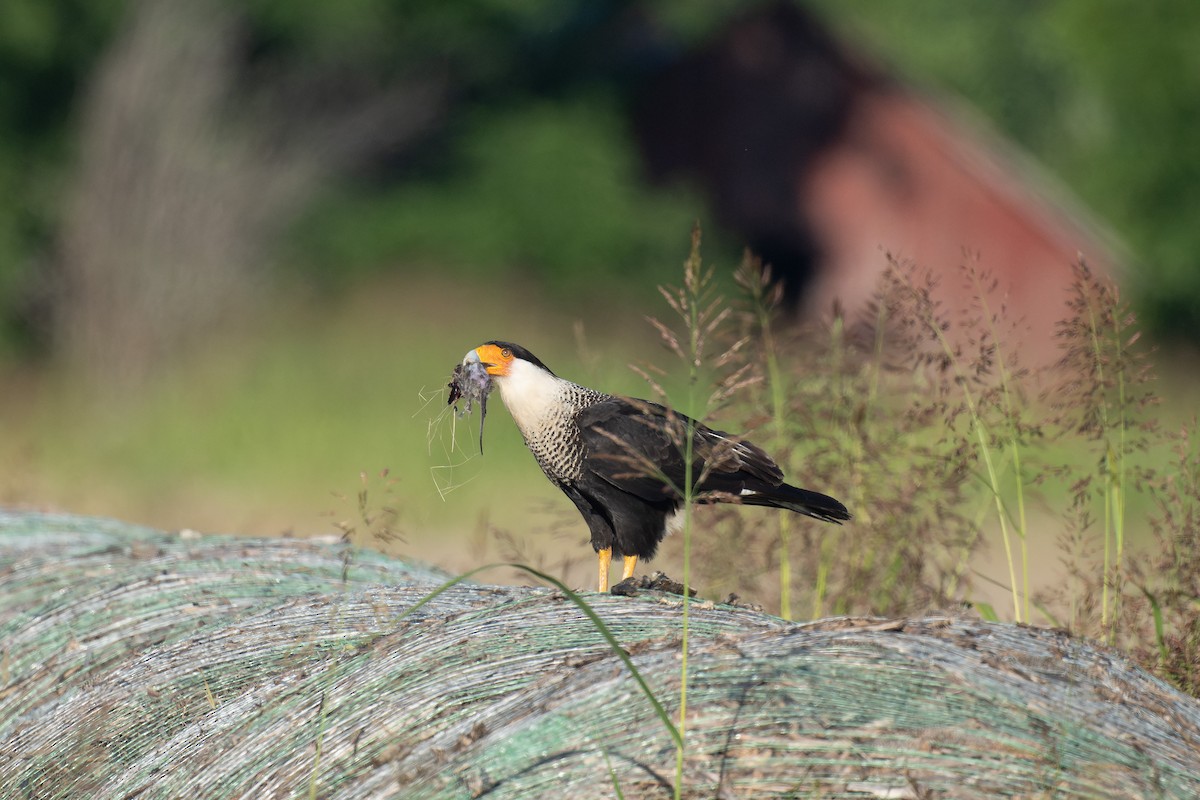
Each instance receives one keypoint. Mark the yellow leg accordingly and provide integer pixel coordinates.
(605, 558)
(630, 566)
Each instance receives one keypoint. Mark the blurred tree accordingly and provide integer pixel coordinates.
(412, 118)
(46, 51)
(188, 175)
(1125, 138)
(548, 190)
(209, 126)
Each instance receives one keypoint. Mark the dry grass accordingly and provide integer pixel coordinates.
(924, 421)
(946, 448)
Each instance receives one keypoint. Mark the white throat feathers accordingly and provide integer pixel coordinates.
(531, 395)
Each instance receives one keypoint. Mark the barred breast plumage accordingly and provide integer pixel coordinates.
(554, 438)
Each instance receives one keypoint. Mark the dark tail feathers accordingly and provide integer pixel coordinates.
(802, 501)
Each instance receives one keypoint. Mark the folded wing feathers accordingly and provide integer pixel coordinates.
(643, 442)
(729, 454)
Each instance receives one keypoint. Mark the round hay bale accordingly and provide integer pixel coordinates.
(139, 664)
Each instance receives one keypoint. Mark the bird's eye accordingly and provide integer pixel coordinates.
(506, 353)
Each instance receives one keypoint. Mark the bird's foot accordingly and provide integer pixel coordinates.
(658, 582)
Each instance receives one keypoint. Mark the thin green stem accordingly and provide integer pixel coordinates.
(588, 611)
(785, 568)
(818, 609)
(983, 438)
(1022, 530)
(681, 725)
(694, 285)
(1111, 487)
(612, 773)
(688, 493)
(1012, 415)
(779, 419)
(1119, 494)
(1107, 616)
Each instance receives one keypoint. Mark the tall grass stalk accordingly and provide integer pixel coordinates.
(900, 412)
(983, 438)
(1114, 461)
(840, 366)
(612, 774)
(1011, 414)
(779, 420)
(1104, 393)
(688, 494)
(681, 725)
(1170, 579)
(588, 611)
(690, 302)
(982, 434)
(755, 279)
(703, 315)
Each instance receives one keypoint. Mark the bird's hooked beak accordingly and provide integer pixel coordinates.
(493, 357)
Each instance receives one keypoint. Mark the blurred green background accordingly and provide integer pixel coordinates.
(243, 244)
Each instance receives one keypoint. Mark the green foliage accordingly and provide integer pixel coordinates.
(868, 416)
(481, 41)
(46, 50)
(265, 432)
(1138, 78)
(545, 189)
(924, 420)
(988, 393)
(535, 173)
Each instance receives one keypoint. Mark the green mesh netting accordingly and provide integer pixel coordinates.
(137, 664)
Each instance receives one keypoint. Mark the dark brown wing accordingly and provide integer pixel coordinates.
(640, 447)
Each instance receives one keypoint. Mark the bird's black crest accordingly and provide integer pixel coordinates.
(522, 353)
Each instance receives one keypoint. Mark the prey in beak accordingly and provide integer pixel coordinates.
(471, 382)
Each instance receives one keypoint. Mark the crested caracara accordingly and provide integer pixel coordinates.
(623, 461)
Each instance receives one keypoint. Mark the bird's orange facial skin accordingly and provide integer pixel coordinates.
(498, 359)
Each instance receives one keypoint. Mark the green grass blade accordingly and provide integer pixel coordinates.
(612, 773)
(1045, 612)
(588, 612)
(986, 611)
(1159, 633)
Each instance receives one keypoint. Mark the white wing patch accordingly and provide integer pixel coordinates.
(734, 447)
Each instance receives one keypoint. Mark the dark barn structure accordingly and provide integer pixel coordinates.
(824, 163)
